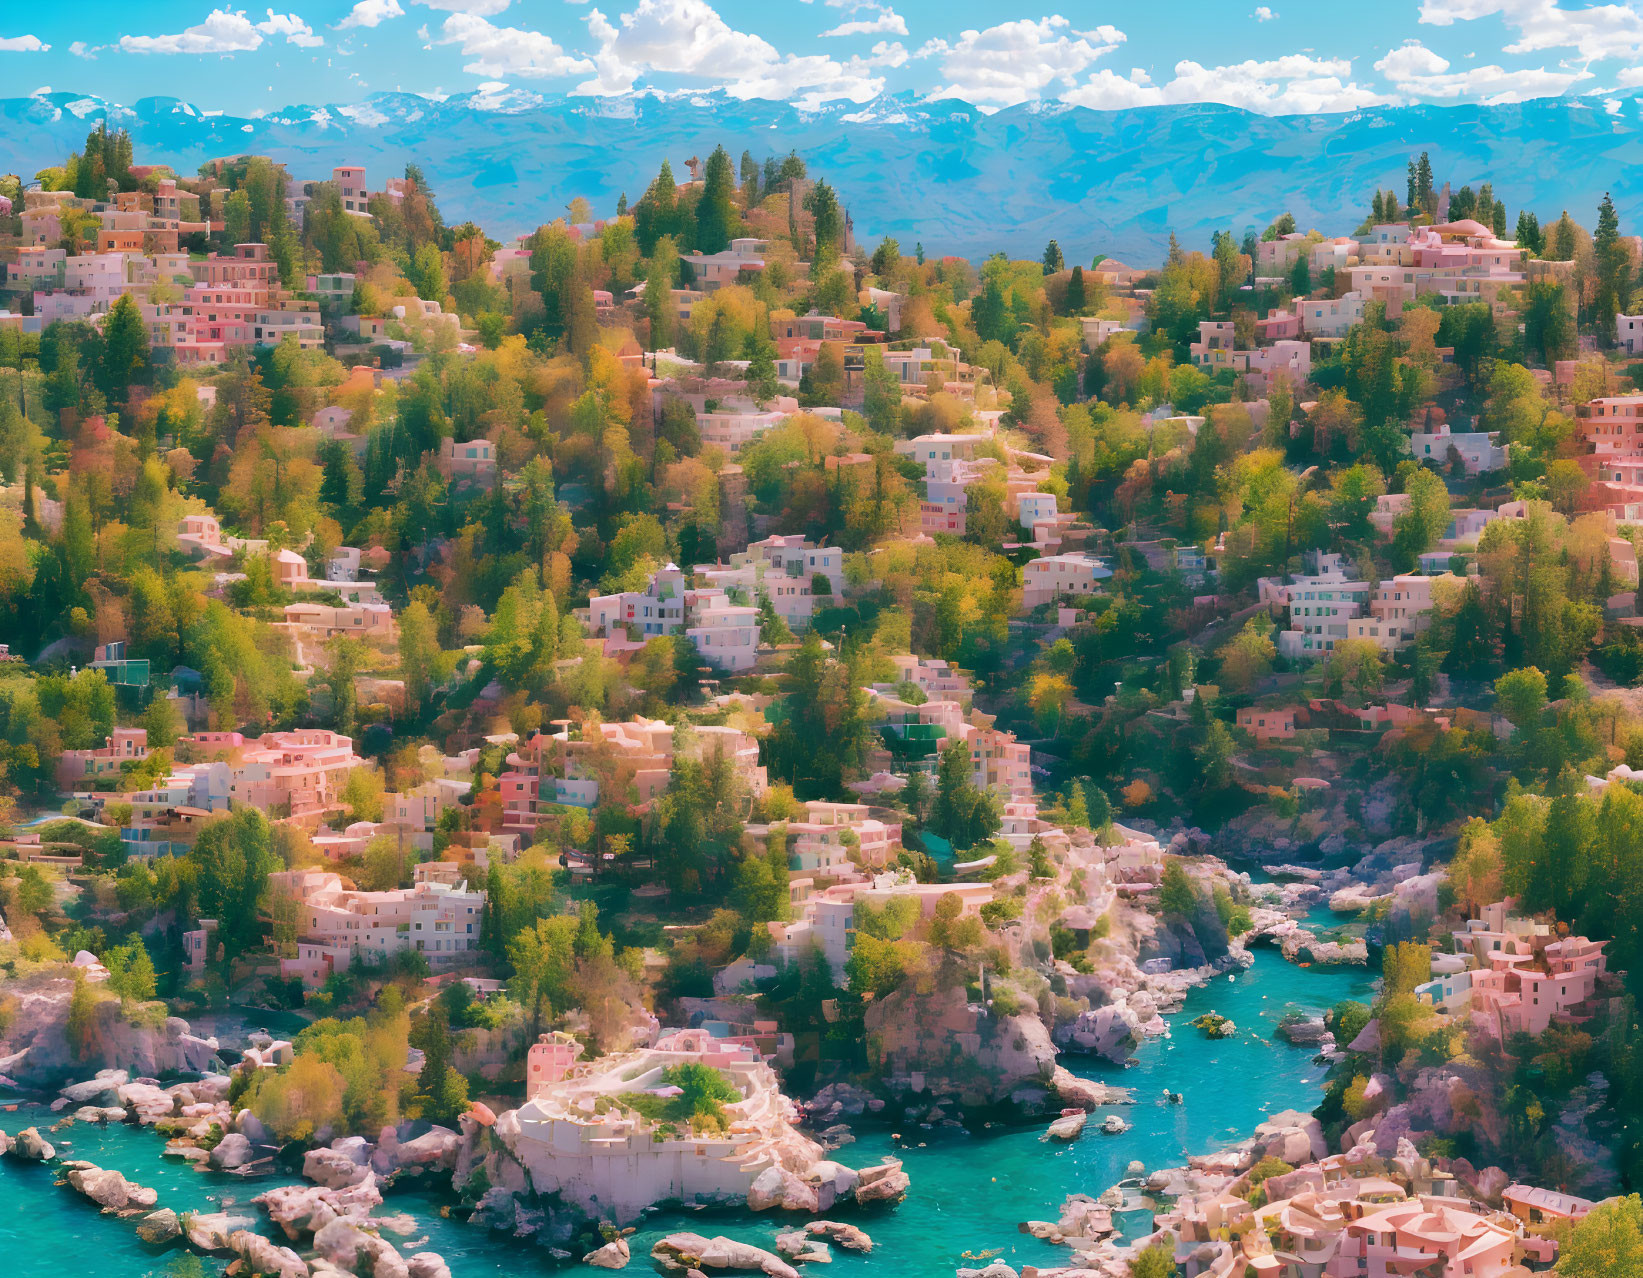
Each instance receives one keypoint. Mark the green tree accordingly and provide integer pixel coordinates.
(1075, 300)
(828, 218)
(1608, 1241)
(543, 959)
(1417, 529)
(125, 348)
(1613, 267)
(1176, 894)
(659, 282)
(233, 855)
(443, 1090)
(1521, 695)
(1300, 277)
(716, 220)
(419, 654)
(81, 1025)
(961, 813)
(1157, 1261)
(130, 972)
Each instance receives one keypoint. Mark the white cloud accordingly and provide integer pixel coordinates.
(226, 31)
(223, 31)
(1417, 71)
(81, 49)
(370, 13)
(1016, 61)
(498, 51)
(1293, 84)
(1596, 31)
(23, 44)
(473, 8)
(888, 53)
(889, 22)
(1264, 14)
(1106, 90)
(811, 81)
(688, 38)
(293, 28)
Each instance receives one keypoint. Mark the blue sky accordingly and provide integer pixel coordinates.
(1280, 58)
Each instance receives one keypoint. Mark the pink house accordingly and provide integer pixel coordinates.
(350, 180)
(473, 461)
(1279, 326)
(1432, 1236)
(299, 774)
(1512, 996)
(103, 763)
(434, 917)
(364, 620)
(1535, 1206)
(550, 1058)
(1268, 723)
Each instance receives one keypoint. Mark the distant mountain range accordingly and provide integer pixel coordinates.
(941, 173)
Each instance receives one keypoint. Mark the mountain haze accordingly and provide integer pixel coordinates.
(941, 173)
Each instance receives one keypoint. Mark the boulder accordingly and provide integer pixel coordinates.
(998, 1269)
(832, 1182)
(1113, 1125)
(886, 1183)
(436, 1147)
(159, 1226)
(109, 1189)
(98, 1114)
(766, 1190)
(427, 1264)
(1110, 1032)
(1083, 1217)
(250, 1126)
(840, 1234)
(306, 1209)
(1072, 1090)
(613, 1255)
(232, 1151)
(266, 1257)
(1294, 1137)
(802, 1249)
(1302, 1030)
(1068, 1127)
(797, 1195)
(913, 1031)
(333, 1168)
(29, 1144)
(1490, 1183)
(692, 1251)
(345, 1244)
(840, 1098)
(210, 1231)
(148, 1100)
(96, 1090)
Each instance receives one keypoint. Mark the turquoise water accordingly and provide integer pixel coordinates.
(969, 1191)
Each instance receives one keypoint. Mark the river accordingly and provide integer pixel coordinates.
(969, 1190)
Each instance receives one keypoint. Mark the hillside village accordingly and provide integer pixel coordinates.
(646, 696)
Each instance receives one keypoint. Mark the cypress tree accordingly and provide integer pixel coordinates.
(716, 220)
